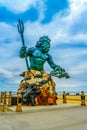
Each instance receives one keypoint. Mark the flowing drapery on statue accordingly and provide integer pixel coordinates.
(37, 86)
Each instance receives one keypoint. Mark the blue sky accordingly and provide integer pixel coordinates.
(64, 21)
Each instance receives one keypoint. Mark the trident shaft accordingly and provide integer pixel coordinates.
(20, 27)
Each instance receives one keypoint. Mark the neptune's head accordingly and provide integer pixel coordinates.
(44, 44)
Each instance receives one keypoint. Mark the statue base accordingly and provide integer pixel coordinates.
(37, 88)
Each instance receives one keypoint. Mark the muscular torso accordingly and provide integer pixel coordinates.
(37, 59)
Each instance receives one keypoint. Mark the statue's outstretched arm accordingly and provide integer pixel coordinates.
(57, 70)
(52, 64)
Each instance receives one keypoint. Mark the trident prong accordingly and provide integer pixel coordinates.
(20, 27)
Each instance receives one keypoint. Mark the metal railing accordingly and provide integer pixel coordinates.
(78, 98)
(15, 98)
(7, 98)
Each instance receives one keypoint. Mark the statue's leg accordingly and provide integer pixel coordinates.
(28, 99)
(32, 97)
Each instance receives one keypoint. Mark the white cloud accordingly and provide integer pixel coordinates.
(64, 24)
(6, 73)
(41, 9)
(17, 6)
(76, 8)
(60, 29)
(70, 85)
(64, 37)
(7, 32)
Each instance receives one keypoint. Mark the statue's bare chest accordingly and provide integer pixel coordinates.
(40, 55)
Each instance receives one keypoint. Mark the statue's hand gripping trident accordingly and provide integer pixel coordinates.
(20, 27)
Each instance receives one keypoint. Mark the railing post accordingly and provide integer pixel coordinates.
(2, 107)
(19, 102)
(5, 97)
(83, 99)
(2, 102)
(9, 98)
(64, 97)
(0, 97)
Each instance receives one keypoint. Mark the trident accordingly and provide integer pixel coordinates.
(20, 27)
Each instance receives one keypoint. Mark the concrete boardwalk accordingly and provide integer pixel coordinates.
(58, 117)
